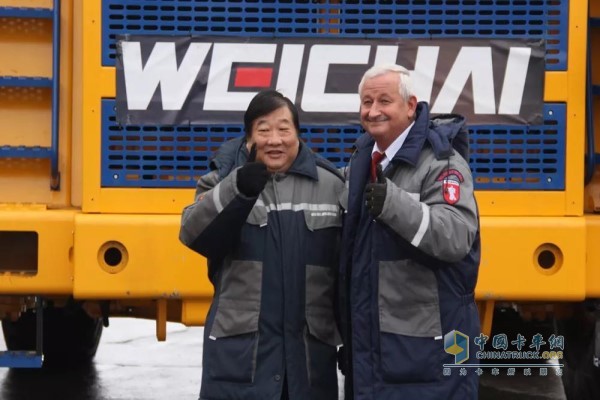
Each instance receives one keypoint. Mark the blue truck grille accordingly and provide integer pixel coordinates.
(502, 157)
(496, 19)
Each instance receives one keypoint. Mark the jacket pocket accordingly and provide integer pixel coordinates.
(232, 344)
(323, 221)
(321, 364)
(320, 292)
(321, 335)
(411, 348)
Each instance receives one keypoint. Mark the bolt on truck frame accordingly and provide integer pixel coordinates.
(97, 163)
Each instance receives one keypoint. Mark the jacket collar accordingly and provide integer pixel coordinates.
(445, 134)
(305, 163)
(413, 145)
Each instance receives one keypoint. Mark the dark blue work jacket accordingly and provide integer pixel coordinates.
(273, 262)
(408, 276)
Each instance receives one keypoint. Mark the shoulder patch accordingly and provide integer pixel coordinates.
(451, 180)
(452, 174)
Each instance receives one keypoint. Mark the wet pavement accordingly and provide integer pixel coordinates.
(132, 365)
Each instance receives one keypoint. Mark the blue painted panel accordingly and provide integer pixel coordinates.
(25, 152)
(25, 12)
(25, 81)
(20, 359)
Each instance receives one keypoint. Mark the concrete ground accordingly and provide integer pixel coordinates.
(132, 365)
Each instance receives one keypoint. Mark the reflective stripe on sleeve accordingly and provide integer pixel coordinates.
(422, 227)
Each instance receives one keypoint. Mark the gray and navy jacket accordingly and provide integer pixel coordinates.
(408, 276)
(273, 261)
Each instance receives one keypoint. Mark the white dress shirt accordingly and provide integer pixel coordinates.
(393, 148)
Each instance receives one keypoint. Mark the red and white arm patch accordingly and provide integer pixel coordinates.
(451, 180)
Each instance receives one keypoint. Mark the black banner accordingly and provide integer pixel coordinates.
(171, 80)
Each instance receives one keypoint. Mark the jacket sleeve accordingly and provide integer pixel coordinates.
(211, 225)
(430, 221)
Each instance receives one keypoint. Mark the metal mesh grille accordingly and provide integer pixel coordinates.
(520, 157)
(502, 158)
(495, 19)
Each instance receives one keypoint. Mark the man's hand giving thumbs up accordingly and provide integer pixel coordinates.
(253, 176)
(375, 194)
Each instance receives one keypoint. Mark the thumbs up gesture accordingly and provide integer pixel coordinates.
(252, 176)
(375, 194)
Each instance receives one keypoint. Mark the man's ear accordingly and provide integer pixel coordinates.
(249, 143)
(412, 107)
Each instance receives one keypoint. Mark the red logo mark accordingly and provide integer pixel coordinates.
(253, 77)
(451, 190)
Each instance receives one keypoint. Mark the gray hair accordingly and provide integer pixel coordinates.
(405, 84)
